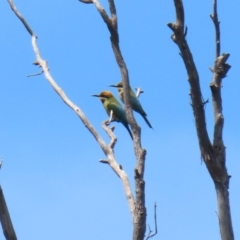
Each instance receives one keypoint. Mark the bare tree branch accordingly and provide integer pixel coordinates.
(213, 154)
(150, 235)
(107, 150)
(30, 31)
(219, 72)
(35, 74)
(140, 209)
(86, 1)
(193, 78)
(5, 219)
(110, 133)
(214, 17)
(138, 92)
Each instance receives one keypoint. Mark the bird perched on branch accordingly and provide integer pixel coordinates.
(136, 105)
(114, 109)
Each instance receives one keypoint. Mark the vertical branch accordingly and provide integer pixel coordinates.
(213, 154)
(220, 70)
(195, 92)
(214, 17)
(140, 209)
(113, 10)
(5, 219)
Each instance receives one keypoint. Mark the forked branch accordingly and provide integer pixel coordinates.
(151, 234)
(106, 149)
(213, 154)
(140, 210)
(220, 70)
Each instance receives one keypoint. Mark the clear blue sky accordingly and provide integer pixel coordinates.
(54, 185)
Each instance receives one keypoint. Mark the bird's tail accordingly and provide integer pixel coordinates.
(146, 120)
(127, 127)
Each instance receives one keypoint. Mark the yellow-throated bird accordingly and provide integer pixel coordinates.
(110, 103)
(136, 105)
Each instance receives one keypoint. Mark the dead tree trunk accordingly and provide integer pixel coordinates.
(213, 153)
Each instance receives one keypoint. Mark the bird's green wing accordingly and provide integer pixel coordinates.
(119, 114)
(118, 111)
(136, 105)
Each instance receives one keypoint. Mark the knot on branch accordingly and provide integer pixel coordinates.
(137, 175)
(36, 63)
(144, 152)
(173, 27)
(219, 148)
(220, 66)
(179, 32)
(220, 71)
(141, 209)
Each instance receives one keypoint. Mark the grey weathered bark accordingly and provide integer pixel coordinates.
(213, 153)
(139, 216)
(137, 207)
(5, 219)
(107, 149)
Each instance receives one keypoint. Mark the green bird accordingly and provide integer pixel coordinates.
(136, 105)
(110, 103)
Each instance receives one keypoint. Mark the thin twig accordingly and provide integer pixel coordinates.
(104, 161)
(150, 231)
(35, 74)
(110, 133)
(214, 18)
(155, 221)
(138, 92)
(21, 18)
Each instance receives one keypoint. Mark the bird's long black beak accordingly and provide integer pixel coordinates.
(95, 95)
(113, 86)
